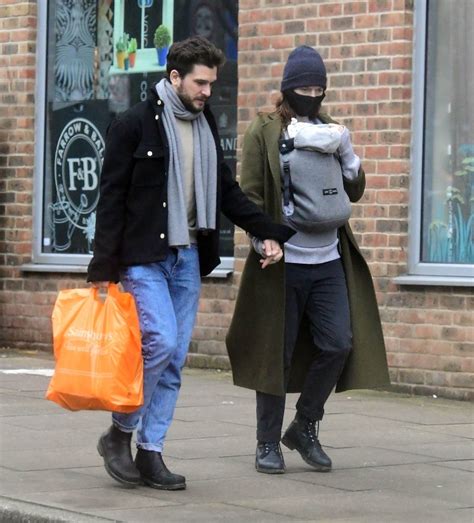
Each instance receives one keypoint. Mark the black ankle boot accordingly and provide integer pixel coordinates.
(114, 447)
(268, 458)
(302, 436)
(154, 472)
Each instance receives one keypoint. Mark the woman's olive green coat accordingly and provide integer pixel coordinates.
(255, 338)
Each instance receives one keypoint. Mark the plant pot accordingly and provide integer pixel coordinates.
(162, 52)
(132, 57)
(120, 59)
(126, 63)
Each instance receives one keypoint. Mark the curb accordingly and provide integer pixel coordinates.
(15, 511)
(207, 361)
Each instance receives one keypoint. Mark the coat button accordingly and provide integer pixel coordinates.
(162, 236)
(164, 204)
(159, 102)
(157, 117)
(149, 153)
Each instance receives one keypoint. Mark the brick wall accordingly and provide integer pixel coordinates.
(26, 299)
(367, 46)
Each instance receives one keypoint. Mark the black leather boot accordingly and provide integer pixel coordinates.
(301, 435)
(154, 472)
(114, 447)
(268, 458)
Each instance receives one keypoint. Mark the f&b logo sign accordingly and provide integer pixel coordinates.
(77, 164)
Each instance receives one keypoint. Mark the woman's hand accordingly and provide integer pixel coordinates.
(273, 253)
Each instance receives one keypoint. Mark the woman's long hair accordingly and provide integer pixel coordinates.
(284, 110)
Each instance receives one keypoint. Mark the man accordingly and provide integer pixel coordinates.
(163, 186)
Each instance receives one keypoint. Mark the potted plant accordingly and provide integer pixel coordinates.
(132, 51)
(162, 41)
(126, 61)
(120, 49)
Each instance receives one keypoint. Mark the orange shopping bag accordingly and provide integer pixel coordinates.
(97, 348)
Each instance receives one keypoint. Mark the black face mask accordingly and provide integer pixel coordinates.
(304, 105)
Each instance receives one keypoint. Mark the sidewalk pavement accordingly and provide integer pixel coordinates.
(396, 459)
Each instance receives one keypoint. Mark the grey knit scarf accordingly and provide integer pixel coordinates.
(204, 164)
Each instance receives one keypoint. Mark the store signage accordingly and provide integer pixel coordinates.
(77, 164)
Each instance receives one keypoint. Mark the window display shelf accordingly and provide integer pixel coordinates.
(146, 61)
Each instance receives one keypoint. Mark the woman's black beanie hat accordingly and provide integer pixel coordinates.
(304, 68)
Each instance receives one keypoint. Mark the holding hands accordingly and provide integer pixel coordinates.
(271, 252)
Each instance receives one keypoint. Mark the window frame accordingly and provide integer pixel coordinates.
(420, 272)
(40, 122)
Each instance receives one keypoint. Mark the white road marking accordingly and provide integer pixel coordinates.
(34, 372)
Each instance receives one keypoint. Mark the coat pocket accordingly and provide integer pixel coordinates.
(150, 166)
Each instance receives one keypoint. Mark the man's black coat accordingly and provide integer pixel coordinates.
(132, 213)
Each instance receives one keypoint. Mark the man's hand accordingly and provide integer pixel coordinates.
(101, 284)
(272, 252)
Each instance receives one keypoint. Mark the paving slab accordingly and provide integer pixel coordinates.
(455, 449)
(396, 458)
(374, 432)
(14, 438)
(377, 506)
(194, 512)
(59, 420)
(189, 430)
(426, 480)
(461, 464)
(49, 459)
(463, 430)
(40, 481)
(210, 447)
(98, 499)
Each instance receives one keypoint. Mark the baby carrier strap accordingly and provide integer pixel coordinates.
(286, 146)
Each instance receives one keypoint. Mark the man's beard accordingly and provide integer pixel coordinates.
(188, 103)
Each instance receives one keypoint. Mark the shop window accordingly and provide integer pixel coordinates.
(442, 218)
(95, 60)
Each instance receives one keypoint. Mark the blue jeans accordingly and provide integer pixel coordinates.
(167, 296)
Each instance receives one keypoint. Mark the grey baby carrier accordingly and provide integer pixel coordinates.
(314, 199)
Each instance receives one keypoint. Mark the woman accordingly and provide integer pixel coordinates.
(310, 323)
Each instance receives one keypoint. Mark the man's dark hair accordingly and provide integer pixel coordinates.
(196, 50)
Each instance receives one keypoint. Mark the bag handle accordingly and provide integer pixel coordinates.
(112, 290)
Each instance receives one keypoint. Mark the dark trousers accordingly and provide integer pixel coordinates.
(320, 293)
